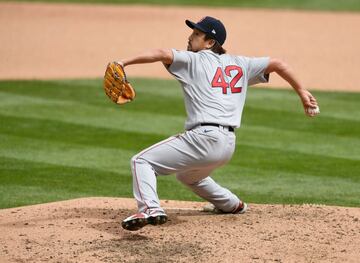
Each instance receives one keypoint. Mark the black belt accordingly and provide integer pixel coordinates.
(217, 125)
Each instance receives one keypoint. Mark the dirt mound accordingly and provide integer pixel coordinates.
(88, 230)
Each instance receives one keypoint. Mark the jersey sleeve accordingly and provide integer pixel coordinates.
(256, 69)
(181, 65)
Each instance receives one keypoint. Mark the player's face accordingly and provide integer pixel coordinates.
(197, 41)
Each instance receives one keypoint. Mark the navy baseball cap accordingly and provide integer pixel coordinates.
(211, 27)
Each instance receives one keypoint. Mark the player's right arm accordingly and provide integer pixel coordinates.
(285, 72)
(150, 56)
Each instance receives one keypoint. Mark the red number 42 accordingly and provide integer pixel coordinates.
(219, 80)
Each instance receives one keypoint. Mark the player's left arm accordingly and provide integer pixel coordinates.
(285, 72)
(150, 56)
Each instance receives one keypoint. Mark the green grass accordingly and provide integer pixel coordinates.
(332, 5)
(64, 139)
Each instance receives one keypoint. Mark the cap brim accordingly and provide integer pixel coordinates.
(189, 23)
(193, 25)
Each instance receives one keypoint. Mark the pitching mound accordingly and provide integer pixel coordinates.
(88, 230)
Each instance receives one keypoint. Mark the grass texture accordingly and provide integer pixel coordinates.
(64, 139)
(330, 5)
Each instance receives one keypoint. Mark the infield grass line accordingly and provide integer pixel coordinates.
(26, 182)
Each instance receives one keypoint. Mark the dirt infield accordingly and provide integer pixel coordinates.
(74, 41)
(88, 230)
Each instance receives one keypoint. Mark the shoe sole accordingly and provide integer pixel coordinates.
(138, 223)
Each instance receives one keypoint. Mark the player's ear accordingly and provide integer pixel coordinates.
(211, 43)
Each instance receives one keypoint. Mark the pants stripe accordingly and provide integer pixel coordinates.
(137, 182)
(138, 156)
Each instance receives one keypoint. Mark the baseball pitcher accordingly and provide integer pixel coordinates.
(214, 85)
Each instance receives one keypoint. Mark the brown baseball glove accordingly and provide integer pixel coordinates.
(116, 86)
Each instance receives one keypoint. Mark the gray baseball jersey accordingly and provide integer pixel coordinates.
(215, 89)
(215, 85)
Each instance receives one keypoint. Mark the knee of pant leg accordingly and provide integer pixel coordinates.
(139, 157)
(138, 160)
(134, 160)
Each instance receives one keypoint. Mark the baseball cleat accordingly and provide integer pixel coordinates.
(139, 220)
(241, 209)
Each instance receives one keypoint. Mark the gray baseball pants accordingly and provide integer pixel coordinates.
(192, 156)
